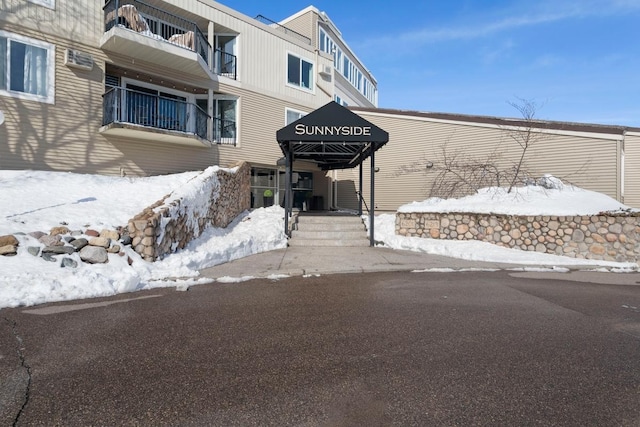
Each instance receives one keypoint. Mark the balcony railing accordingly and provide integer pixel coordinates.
(226, 64)
(159, 112)
(156, 23)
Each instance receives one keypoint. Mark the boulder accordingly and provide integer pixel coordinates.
(34, 250)
(55, 231)
(37, 234)
(103, 242)
(8, 250)
(79, 243)
(51, 240)
(58, 250)
(48, 257)
(9, 239)
(94, 255)
(110, 234)
(68, 262)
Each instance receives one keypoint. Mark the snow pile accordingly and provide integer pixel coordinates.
(532, 200)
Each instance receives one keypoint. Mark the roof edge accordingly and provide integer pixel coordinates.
(505, 121)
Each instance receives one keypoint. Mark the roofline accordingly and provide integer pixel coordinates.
(504, 121)
(324, 18)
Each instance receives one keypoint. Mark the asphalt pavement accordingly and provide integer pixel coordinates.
(475, 348)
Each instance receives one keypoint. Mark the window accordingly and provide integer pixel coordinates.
(26, 68)
(299, 72)
(293, 115)
(224, 119)
(51, 4)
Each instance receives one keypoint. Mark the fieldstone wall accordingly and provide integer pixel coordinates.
(214, 198)
(608, 236)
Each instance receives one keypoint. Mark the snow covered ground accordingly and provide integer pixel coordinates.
(37, 201)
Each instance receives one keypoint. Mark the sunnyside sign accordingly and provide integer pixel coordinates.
(302, 129)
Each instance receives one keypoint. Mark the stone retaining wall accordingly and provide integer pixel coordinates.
(608, 236)
(213, 198)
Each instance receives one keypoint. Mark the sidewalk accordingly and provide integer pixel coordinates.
(299, 261)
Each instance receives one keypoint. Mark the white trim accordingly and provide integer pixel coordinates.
(51, 68)
(312, 89)
(293, 110)
(51, 4)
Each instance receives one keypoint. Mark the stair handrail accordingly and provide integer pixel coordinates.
(363, 201)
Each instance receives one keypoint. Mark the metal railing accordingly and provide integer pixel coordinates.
(121, 105)
(153, 22)
(226, 64)
(224, 131)
(282, 28)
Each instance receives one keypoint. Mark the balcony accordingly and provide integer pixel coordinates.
(139, 115)
(146, 33)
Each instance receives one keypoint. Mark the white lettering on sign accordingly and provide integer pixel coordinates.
(333, 130)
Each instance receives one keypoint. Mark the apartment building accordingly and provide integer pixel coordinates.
(147, 87)
(128, 87)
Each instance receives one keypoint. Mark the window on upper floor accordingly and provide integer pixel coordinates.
(27, 68)
(51, 4)
(299, 72)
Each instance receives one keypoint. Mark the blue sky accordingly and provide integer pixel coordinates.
(578, 60)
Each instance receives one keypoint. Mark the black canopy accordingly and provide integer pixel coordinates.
(331, 136)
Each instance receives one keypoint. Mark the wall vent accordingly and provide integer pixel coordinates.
(76, 59)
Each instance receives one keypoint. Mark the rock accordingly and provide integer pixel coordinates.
(34, 250)
(8, 250)
(51, 240)
(37, 234)
(94, 255)
(76, 233)
(79, 243)
(110, 234)
(48, 257)
(103, 242)
(578, 236)
(55, 231)
(68, 262)
(92, 233)
(58, 250)
(9, 239)
(125, 238)
(114, 249)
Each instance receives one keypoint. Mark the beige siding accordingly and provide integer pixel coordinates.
(632, 170)
(305, 25)
(403, 176)
(75, 20)
(262, 53)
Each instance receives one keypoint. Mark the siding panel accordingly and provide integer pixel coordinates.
(403, 175)
(632, 170)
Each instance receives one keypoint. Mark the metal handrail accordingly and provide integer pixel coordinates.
(363, 201)
(282, 28)
(152, 21)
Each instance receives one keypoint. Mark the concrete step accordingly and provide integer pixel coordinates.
(329, 230)
(327, 242)
(317, 219)
(329, 234)
(338, 226)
